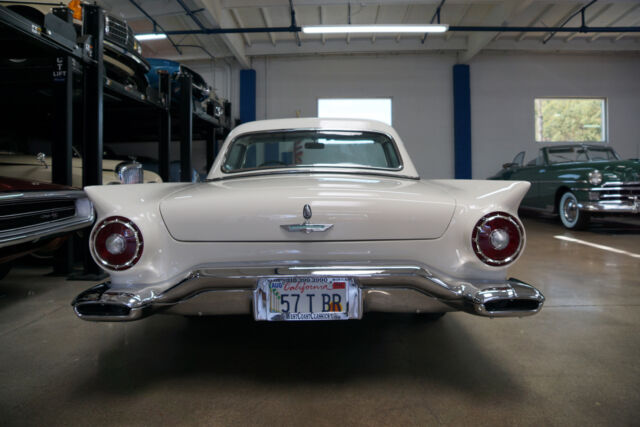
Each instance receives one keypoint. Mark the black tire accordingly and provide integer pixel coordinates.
(570, 215)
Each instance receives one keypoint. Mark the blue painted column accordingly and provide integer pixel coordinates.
(248, 107)
(247, 95)
(462, 121)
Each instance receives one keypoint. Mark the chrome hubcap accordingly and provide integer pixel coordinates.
(570, 210)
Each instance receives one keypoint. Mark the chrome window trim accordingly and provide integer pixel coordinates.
(311, 171)
(251, 170)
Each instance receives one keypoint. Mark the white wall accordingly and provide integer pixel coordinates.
(420, 87)
(503, 87)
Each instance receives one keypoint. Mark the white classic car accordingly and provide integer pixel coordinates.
(308, 219)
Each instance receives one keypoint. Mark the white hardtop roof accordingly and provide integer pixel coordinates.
(408, 169)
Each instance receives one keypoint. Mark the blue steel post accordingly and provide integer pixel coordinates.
(247, 95)
(248, 104)
(462, 121)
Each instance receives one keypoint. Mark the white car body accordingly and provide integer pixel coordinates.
(404, 244)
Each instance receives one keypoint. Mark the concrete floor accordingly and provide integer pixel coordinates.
(576, 363)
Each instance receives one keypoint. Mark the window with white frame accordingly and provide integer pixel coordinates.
(570, 119)
(356, 108)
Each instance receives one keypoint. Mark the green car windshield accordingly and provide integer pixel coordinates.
(580, 154)
(311, 148)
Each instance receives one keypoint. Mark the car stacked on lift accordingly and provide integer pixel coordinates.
(201, 90)
(123, 58)
(577, 182)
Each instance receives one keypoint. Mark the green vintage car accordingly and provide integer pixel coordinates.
(577, 182)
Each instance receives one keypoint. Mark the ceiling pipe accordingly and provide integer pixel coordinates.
(581, 11)
(295, 29)
(293, 22)
(584, 29)
(191, 14)
(155, 25)
(198, 47)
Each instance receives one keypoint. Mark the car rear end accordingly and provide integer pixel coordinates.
(188, 262)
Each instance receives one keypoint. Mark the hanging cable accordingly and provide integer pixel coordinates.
(155, 25)
(293, 23)
(550, 36)
(436, 14)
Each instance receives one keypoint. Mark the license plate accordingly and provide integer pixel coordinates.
(307, 298)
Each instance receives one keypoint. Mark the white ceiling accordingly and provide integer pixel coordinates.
(276, 13)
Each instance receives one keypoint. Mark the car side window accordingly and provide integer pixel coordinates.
(540, 159)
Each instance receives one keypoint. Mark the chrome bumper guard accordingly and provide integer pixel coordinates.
(508, 298)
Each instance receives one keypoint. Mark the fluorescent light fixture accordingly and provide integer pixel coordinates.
(335, 29)
(151, 36)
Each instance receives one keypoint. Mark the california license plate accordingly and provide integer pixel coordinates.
(306, 298)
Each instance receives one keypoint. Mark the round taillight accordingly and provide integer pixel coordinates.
(497, 238)
(117, 243)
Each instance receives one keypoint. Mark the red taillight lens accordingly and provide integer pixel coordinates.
(497, 238)
(117, 243)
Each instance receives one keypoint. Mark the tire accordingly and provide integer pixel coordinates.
(570, 215)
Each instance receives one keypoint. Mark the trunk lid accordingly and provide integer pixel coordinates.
(360, 208)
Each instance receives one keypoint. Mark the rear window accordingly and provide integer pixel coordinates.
(312, 148)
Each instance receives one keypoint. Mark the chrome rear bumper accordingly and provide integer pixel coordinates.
(385, 288)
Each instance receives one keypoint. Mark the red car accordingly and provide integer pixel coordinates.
(36, 216)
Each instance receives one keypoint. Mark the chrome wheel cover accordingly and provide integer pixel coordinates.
(570, 209)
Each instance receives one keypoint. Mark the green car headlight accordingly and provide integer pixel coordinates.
(595, 177)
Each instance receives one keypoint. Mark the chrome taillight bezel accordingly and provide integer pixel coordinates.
(478, 229)
(137, 234)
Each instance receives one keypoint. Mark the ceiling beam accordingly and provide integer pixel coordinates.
(626, 34)
(267, 22)
(405, 18)
(616, 21)
(536, 20)
(499, 14)
(222, 18)
(467, 8)
(436, 45)
(323, 37)
(240, 24)
(237, 4)
(565, 19)
(375, 21)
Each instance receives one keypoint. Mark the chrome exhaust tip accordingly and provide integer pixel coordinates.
(99, 305)
(514, 299)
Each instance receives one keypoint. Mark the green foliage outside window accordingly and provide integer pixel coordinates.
(570, 120)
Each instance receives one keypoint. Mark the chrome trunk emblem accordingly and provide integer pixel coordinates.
(306, 212)
(306, 227)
